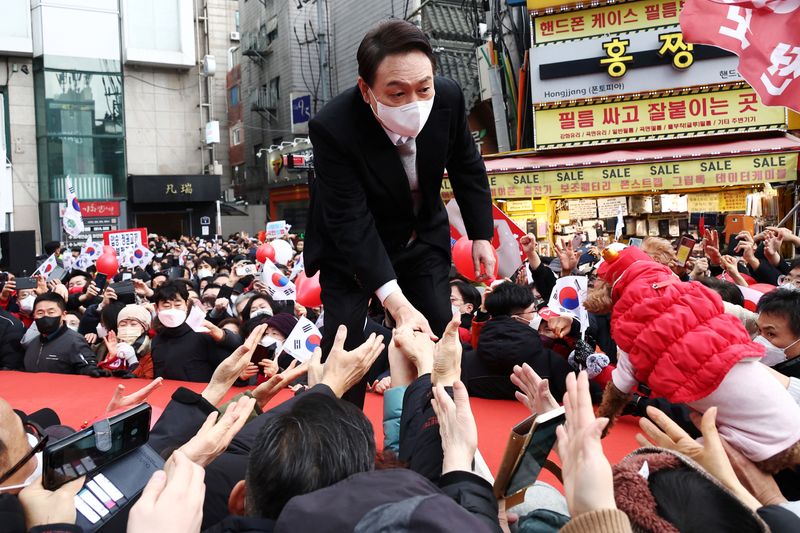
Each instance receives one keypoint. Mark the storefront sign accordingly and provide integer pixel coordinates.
(658, 117)
(706, 202)
(99, 209)
(518, 205)
(582, 209)
(170, 189)
(609, 207)
(649, 60)
(732, 201)
(605, 20)
(613, 180)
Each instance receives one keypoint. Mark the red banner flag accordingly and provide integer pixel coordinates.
(763, 33)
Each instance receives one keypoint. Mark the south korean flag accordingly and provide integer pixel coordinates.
(278, 285)
(303, 340)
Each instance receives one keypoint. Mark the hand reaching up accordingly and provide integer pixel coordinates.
(588, 480)
(343, 368)
(535, 393)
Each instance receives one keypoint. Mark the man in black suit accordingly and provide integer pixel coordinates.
(377, 224)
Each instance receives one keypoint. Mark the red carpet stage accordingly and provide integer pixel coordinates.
(81, 399)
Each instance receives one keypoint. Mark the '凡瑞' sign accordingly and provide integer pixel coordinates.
(670, 116)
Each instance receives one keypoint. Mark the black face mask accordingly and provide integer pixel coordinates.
(48, 324)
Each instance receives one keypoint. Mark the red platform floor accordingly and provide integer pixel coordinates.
(81, 399)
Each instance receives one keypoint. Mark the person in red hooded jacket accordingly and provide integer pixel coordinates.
(675, 338)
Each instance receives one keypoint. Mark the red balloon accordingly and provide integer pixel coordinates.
(107, 264)
(462, 259)
(309, 293)
(264, 252)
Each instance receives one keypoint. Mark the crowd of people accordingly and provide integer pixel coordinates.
(311, 462)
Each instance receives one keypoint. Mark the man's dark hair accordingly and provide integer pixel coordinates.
(508, 298)
(729, 291)
(785, 303)
(390, 37)
(50, 297)
(794, 264)
(468, 293)
(319, 442)
(109, 314)
(51, 247)
(169, 290)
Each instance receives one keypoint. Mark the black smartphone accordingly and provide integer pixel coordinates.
(58, 273)
(100, 281)
(125, 291)
(541, 440)
(78, 454)
(25, 283)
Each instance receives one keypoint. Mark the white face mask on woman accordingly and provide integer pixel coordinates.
(406, 120)
(773, 355)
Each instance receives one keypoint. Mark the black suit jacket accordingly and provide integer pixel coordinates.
(361, 210)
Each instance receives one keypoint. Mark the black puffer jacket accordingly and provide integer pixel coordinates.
(505, 342)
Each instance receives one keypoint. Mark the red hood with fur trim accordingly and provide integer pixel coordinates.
(677, 335)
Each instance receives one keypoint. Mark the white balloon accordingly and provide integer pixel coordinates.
(283, 251)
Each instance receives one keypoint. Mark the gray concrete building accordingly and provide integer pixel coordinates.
(112, 93)
(277, 73)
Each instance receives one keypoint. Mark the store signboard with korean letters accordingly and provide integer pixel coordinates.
(623, 63)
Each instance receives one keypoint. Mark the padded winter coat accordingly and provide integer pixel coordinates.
(677, 334)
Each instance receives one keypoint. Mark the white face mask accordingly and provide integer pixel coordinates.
(204, 273)
(172, 318)
(454, 309)
(268, 341)
(101, 331)
(406, 120)
(773, 355)
(261, 312)
(36, 472)
(73, 327)
(26, 304)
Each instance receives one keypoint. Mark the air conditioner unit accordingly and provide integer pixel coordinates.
(236, 36)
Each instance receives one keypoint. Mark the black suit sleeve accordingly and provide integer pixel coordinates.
(179, 422)
(346, 214)
(11, 352)
(467, 175)
(474, 494)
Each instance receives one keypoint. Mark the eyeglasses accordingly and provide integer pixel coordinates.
(36, 449)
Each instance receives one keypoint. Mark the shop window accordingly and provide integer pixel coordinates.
(80, 133)
(274, 91)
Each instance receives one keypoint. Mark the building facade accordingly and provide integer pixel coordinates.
(106, 92)
(292, 60)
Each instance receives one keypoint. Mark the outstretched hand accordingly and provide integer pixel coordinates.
(119, 401)
(456, 426)
(217, 432)
(665, 433)
(535, 393)
(232, 367)
(588, 480)
(447, 355)
(267, 390)
(343, 368)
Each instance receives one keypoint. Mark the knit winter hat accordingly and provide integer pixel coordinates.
(615, 263)
(135, 312)
(283, 322)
